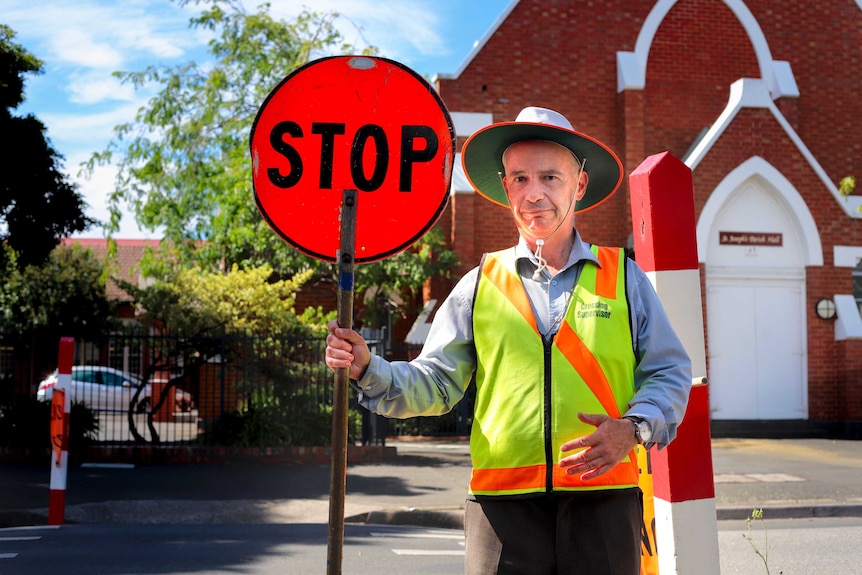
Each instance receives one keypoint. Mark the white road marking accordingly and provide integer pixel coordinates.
(419, 535)
(34, 538)
(28, 528)
(8, 555)
(449, 535)
(452, 552)
(756, 478)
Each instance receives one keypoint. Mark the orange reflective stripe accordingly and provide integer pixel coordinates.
(516, 478)
(532, 477)
(606, 276)
(510, 287)
(625, 473)
(587, 366)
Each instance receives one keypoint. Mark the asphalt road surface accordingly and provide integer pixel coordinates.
(795, 547)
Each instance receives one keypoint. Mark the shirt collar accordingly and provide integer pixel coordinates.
(580, 251)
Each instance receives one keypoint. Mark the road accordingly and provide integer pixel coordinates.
(796, 547)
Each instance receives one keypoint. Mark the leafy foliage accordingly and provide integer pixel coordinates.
(195, 301)
(63, 297)
(847, 185)
(246, 320)
(25, 425)
(184, 162)
(295, 419)
(184, 165)
(38, 206)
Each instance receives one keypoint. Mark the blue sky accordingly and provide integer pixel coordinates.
(81, 42)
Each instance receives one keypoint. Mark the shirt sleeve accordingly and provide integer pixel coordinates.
(434, 382)
(663, 370)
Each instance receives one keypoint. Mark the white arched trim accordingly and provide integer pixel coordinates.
(752, 93)
(757, 166)
(631, 66)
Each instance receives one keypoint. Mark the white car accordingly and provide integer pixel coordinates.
(106, 388)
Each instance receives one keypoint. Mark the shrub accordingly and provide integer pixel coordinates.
(25, 425)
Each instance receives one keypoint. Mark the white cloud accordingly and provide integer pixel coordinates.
(78, 47)
(400, 30)
(96, 189)
(81, 129)
(83, 41)
(95, 87)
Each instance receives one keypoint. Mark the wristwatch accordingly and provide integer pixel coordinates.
(643, 431)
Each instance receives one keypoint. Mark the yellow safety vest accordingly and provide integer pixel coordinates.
(529, 393)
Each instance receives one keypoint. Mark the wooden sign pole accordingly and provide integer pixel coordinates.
(338, 470)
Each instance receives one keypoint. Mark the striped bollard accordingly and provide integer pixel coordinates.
(665, 243)
(61, 404)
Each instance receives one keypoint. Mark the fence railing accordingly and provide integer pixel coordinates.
(228, 390)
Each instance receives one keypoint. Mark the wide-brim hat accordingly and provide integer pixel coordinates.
(482, 155)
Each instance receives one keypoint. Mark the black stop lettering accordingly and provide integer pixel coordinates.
(409, 156)
(276, 139)
(327, 144)
(381, 164)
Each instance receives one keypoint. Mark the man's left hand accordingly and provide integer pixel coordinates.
(612, 440)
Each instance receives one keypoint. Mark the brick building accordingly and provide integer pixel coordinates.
(761, 100)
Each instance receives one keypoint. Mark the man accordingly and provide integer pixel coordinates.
(574, 359)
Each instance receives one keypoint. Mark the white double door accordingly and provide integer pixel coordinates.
(757, 346)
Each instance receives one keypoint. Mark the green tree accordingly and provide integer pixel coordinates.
(386, 284)
(847, 185)
(276, 363)
(183, 163)
(38, 205)
(65, 296)
(196, 301)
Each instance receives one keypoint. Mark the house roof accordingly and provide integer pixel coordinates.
(129, 254)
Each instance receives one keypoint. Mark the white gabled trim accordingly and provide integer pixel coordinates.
(752, 93)
(757, 166)
(631, 66)
(460, 184)
(848, 323)
(479, 44)
(466, 123)
(744, 93)
(419, 330)
(635, 62)
(846, 256)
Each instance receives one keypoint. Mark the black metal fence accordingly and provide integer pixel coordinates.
(226, 389)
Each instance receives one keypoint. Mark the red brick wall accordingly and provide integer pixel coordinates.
(562, 55)
(823, 43)
(686, 86)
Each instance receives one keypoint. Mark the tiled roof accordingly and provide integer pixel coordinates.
(129, 253)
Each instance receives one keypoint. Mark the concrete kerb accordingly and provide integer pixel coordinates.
(792, 511)
(453, 518)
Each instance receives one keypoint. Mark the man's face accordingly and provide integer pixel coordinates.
(542, 185)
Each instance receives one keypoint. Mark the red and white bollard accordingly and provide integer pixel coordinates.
(61, 403)
(665, 243)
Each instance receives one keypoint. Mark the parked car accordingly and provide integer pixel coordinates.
(106, 388)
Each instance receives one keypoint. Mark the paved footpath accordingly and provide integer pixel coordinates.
(424, 484)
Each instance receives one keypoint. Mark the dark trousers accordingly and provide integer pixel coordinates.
(583, 533)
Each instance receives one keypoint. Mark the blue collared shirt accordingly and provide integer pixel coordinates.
(436, 380)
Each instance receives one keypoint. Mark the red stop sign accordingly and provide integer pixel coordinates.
(352, 122)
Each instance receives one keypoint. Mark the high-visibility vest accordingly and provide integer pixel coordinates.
(529, 392)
